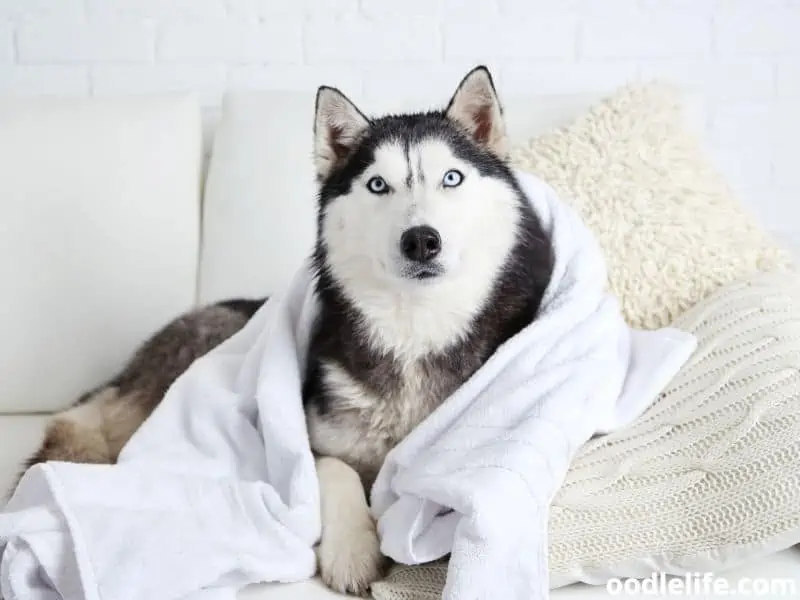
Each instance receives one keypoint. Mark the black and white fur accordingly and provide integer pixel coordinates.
(428, 258)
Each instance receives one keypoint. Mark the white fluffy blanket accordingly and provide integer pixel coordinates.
(218, 489)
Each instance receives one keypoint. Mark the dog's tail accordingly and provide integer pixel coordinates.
(245, 306)
(79, 434)
(96, 427)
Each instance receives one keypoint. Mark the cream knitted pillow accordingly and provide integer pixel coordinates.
(707, 478)
(671, 229)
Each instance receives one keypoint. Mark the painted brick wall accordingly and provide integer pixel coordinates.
(743, 56)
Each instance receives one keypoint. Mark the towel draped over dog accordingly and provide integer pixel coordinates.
(218, 490)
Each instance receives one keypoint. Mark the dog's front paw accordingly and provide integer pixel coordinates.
(350, 558)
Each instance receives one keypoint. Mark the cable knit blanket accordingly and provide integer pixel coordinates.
(218, 490)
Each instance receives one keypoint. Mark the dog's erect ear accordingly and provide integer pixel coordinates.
(476, 107)
(338, 125)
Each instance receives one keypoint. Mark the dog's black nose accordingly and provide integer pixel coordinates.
(420, 244)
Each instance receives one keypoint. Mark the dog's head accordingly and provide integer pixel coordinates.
(415, 202)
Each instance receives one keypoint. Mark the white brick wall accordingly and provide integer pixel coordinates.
(101, 40)
(742, 56)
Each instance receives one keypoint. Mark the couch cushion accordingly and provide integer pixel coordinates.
(99, 236)
(259, 202)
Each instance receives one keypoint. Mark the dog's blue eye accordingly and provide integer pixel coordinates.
(377, 185)
(452, 178)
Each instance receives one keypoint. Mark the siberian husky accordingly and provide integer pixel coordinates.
(428, 257)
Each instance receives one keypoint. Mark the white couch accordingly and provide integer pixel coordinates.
(110, 225)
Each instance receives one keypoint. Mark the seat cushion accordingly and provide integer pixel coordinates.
(305, 590)
(99, 236)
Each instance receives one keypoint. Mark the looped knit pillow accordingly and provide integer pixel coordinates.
(707, 478)
(670, 226)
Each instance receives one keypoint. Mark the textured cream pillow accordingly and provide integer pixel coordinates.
(707, 478)
(670, 226)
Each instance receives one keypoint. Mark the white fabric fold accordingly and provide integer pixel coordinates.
(218, 490)
(476, 478)
(215, 491)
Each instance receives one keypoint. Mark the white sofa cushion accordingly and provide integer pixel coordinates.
(259, 203)
(99, 235)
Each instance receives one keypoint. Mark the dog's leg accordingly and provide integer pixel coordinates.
(349, 553)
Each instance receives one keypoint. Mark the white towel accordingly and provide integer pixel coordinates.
(476, 478)
(215, 491)
(218, 489)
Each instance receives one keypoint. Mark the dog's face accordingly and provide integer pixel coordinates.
(415, 202)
